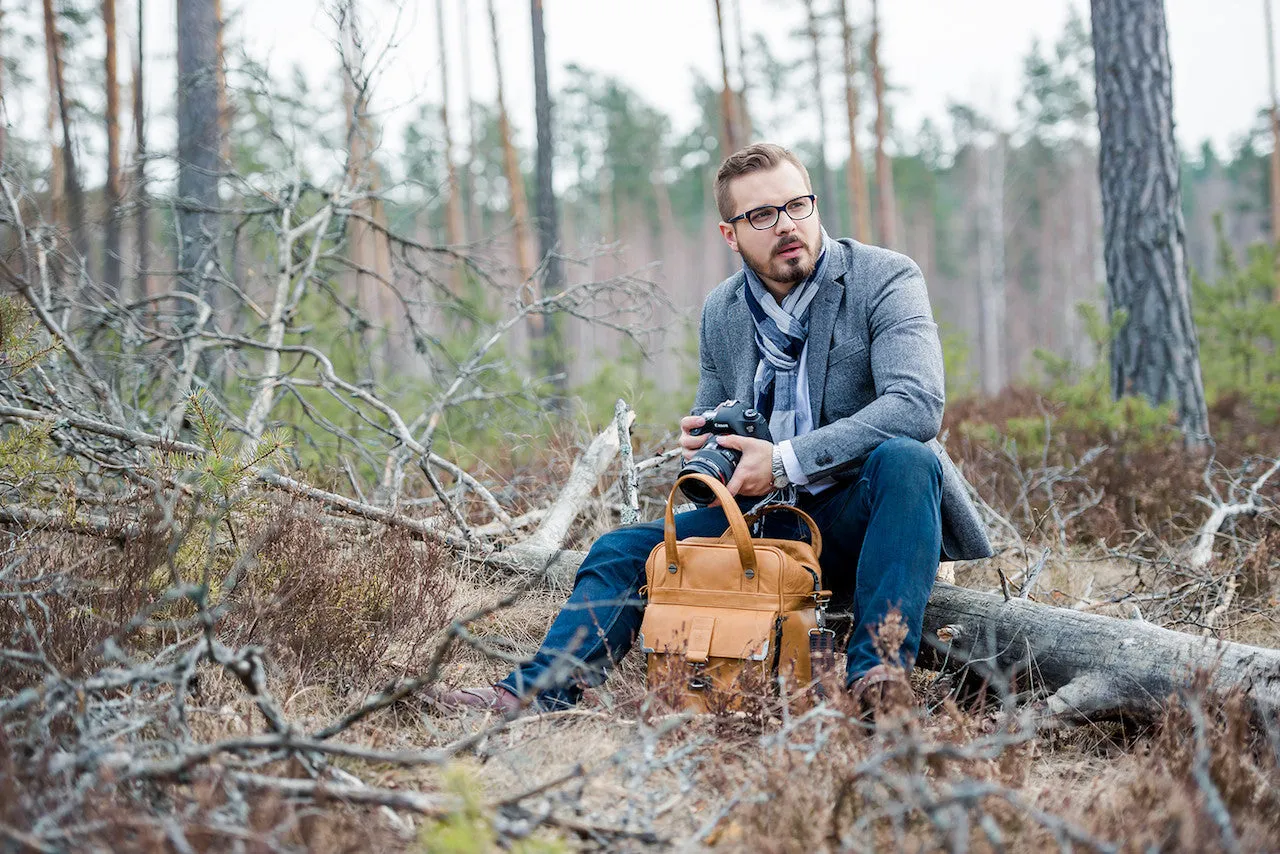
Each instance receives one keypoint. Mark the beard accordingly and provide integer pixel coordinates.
(784, 271)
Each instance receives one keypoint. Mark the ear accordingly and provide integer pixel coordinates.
(730, 236)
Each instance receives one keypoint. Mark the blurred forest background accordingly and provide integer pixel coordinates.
(1004, 217)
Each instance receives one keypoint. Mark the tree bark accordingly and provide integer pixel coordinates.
(745, 129)
(1095, 666)
(73, 193)
(855, 174)
(141, 217)
(1156, 353)
(57, 201)
(511, 161)
(468, 180)
(111, 188)
(548, 214)
(826, 183)
(3, 138)
(453, 204)
(991, 251)
(885, 213)
(199, 147)
(729, 139)
(1091, 666)
(1275, 145)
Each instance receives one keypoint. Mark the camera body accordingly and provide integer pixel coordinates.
(733, 417)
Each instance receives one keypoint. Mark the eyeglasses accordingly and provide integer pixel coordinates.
(766, 216)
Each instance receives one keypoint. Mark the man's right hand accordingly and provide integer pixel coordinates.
(688, 443)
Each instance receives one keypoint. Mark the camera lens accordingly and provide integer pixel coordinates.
(712, 461)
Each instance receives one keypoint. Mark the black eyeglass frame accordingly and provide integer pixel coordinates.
(778, 210)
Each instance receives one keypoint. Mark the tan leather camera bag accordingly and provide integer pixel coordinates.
(726, 616)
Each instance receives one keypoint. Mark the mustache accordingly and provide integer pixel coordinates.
(787, 244)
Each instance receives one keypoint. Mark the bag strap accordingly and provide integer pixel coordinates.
(815, 536)
(737, 525)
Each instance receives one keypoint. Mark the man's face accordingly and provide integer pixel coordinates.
(784, 255)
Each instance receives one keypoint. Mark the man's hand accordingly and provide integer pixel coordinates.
(689, 444)
(754, 474)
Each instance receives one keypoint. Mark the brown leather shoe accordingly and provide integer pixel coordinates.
(881, 689)
(489, 698)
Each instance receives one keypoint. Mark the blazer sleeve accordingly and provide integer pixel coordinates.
(906, 367)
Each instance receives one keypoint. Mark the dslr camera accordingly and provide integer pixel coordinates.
(733, 417)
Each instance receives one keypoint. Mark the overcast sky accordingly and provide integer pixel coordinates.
(936, 51)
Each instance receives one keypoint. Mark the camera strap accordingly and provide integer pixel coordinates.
(787, 495)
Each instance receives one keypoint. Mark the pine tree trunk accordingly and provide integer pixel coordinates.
(468, 181)
(855, 174)
(745, 129)
(70, 176)
(3, 138)
(729, 140)
(141, 218)
(112, 194)
(1156, 353)
(548, 214)
(511, 161)
(453, 204)
(826, 182)
(199, 146)
(367, 232)
(1275, 145)
(991, 287)
(885, 214)
(57, 201)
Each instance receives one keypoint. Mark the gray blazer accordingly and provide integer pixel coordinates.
(874, 371)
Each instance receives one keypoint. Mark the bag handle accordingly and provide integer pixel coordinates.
(737, 525)
(815, 536)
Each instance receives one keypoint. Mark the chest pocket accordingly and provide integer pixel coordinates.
(849, 386)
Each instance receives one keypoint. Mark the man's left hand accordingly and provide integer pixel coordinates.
(754, 474)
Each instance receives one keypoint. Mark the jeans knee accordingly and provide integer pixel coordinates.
(903, 459)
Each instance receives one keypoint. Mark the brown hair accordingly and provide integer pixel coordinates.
(753, 158)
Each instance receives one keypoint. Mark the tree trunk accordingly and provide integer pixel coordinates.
(141, 218)
(744, 112)
(1275, 145)
(70, 176)
(729, 139)
(199, 147)
(826, 183)
(855, 174)
(991, 286)
(453, 204)
(1156, 353)
(519, 206)
(111, 188)
(884, 167)
(3, 125)
(57, 201)
(468, 181)
(552, 357)
(1095, 666)
(1091, 666)
(366, 233)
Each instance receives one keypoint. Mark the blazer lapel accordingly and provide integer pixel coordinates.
(822, 321)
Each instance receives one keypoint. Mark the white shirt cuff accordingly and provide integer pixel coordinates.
(791, 463)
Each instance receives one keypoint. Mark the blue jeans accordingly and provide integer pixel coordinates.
(881, 534)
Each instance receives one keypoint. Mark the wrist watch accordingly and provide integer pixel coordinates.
(780, 479)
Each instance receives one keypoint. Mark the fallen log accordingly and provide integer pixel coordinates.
(1090, 666)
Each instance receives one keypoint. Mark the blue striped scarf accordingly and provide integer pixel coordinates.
(781, 332)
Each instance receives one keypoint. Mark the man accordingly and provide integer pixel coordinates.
(835, 342)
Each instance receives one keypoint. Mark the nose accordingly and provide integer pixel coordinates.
(785, 224)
